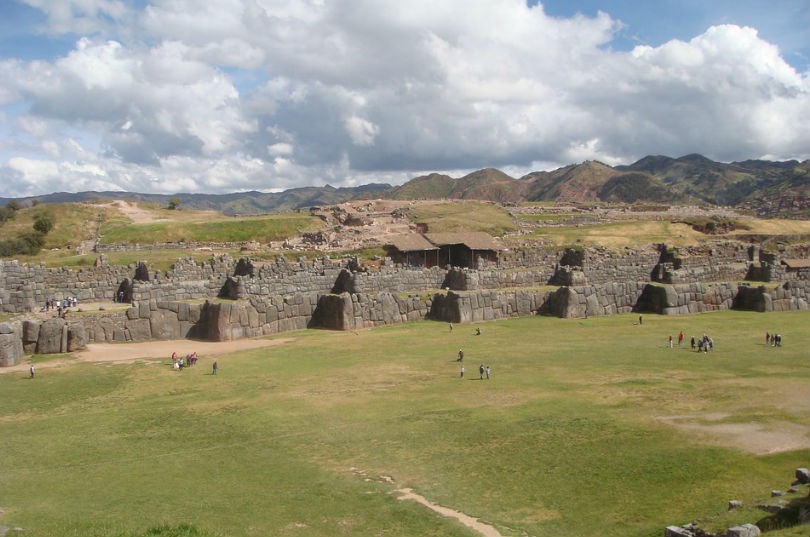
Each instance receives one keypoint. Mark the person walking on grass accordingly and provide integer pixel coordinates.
(462, 370)
(487, 372)
(214, 368)
(31, 371)
(481, 372)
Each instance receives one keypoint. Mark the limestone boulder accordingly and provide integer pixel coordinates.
(678, 531)
(30, 335)
(11, 348)
(50, 340)
(746, 530)
(334, 312)
(163, 324)
(76, 337)
(139, 329)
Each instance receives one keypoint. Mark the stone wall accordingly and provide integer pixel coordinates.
(346, 311)
(26, 287)
(486, 305)
(280, 295)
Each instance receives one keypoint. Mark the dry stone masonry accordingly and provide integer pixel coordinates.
(225, 299)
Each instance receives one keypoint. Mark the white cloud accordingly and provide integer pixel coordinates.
(280, 149)
(361, 131)
(353, 91)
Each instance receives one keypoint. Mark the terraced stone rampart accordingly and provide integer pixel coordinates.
(277, 296)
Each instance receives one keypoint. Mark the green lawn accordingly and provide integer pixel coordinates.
(588, 427)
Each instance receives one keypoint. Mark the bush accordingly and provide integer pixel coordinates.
(29, 243)
(6, 214)
(43, 223)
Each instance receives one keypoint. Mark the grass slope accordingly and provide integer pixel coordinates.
(224, 229)
(573, 435)
(463, 216)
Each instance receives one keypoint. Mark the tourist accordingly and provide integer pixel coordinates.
(477, 331)
(670, 342)
(487, 372)
(215, 368)
(460, 356)
(462, 370)
(31, 371)
(692, 343)
(481, 372)
(680, 338)
(640, 320)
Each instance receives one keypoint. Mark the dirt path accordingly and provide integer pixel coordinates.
(132, 352)
(134, 213)
(471, 522)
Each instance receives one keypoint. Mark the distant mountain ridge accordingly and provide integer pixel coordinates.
(655, 178)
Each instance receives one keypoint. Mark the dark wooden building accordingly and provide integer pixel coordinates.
(432, 249)
(413, 250)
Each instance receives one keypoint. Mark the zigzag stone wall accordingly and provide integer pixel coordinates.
(280, 296)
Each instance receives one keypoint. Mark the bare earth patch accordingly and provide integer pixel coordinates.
(132, 352)
(756, 438)
(134, 213)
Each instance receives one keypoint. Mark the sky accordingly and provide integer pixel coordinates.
(183, 96)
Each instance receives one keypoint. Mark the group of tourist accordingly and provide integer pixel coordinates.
(61, 306)
(773, 340)
(701, 344)
(179, 362)
(483, 370)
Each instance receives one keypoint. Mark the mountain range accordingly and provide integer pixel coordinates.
(769, 187)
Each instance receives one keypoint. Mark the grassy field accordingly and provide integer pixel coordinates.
(463, 216)
(260, 228)
(588, 427)
(629, 233)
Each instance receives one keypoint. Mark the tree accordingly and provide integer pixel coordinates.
(174, 203)
(43, 223)
(14, 205)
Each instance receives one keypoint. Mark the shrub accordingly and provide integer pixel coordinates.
(43, 223)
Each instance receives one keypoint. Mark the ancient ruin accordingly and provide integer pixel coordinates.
(225, 299)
